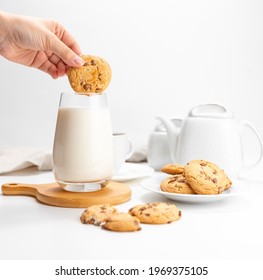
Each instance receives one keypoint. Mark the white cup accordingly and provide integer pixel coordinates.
(122, 149)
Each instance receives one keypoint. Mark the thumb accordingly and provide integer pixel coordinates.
(65, 53)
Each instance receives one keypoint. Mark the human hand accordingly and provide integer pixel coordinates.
(40, 43)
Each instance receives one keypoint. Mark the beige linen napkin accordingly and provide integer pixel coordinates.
(13, 159)
(139, 155)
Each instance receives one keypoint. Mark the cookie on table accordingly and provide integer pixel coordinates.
(123, 222)
(97, 214)
(91, 78)
(177, 184)
(206, 177)
(173, 169)
(156, 213)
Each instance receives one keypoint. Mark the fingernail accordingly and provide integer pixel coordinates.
(78, 61)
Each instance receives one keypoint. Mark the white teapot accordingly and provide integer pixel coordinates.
(158, 153)
(211, 133)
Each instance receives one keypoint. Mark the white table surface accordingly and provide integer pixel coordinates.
(230, 229)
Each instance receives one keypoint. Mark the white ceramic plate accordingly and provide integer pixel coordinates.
(130, 171)
(153, 184)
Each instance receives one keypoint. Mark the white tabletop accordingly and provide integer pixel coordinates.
(227, 229)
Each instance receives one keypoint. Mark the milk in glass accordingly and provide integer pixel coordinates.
(83, 148)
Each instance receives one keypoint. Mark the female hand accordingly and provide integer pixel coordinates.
(40, 43)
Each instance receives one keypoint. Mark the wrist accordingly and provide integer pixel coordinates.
(5, 26)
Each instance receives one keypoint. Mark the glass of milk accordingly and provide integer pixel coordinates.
(83, 145)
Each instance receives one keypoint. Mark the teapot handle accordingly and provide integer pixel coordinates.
(210, 111)
(260, 141)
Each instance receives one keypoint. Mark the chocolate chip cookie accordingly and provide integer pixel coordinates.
(177, 184)
(156, 213)
(122, 222)
(91, 78)
(206, 177)
(97, 214)
(173, 169)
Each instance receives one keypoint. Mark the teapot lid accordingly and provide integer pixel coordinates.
(210, 111)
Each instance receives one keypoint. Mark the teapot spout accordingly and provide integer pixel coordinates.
(173, 130)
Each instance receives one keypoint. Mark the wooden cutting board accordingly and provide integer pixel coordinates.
(52, 194)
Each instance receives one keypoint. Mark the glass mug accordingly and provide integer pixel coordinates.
(83, 147)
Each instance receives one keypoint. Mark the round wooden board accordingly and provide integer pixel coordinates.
(52, 194)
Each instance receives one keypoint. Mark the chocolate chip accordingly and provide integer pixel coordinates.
(181, 181)
(214, 180)
(174, 179)
(92, 220)
(87, 87)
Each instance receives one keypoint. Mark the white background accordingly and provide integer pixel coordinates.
(166, 57)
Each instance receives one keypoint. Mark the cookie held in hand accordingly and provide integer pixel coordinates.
(91, 78)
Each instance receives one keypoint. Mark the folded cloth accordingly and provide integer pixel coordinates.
(139, 155)
(13, 159)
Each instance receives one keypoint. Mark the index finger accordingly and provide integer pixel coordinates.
(70, 41)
